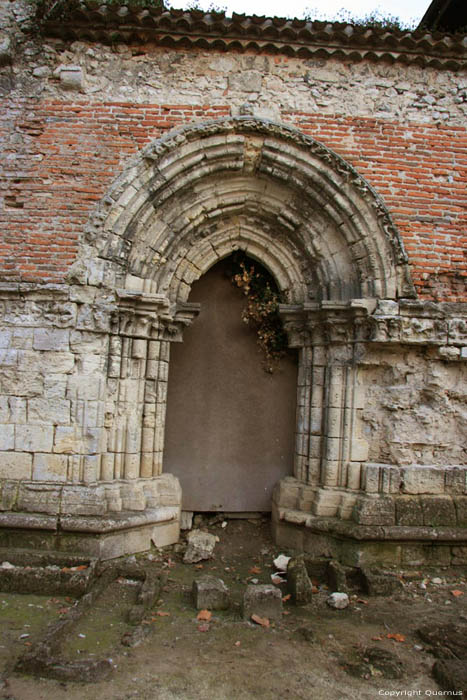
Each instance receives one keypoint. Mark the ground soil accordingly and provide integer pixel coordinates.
(314, 652)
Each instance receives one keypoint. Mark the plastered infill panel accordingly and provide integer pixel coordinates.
(230, 425)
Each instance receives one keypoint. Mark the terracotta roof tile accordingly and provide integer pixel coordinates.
(293, 37)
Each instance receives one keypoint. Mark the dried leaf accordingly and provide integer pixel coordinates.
(204, 615)
(263, 621)
(286, 597)
(361, 600)
(377, 639)
(63, 611)
(457, 593)
(255, 570)
(276, 580)
(81, 567)
(396, 636)
(199, 566)
(286, 612)
(314, 589)
(161, 613)
(237, 644)
(203, 628)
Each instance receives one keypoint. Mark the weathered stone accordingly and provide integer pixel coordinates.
(186, 520)
(50, 467)
(378, 510)
(336, 577)
(438, 511)
(460, 504)
(408, 511)
(200, 546)
(379, 583)
(210, 593)
(423, 480)
(263, 600)
(7, 436)
(447, 641)
(298, 581)
(15, 465)
(34, 438)
(51, 339)
(339, 601)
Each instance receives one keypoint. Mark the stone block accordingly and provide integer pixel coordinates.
(210, 593)
(438, 511)
(440, 555)
(380, 583)
(7, 436)
(49, 467)
(51, 339)
(8, 494)
(39, 498)
(459, 555)
(375, 511)
(165, 534)
(83, 500)
(264, 600)
(16, 382)
(8, 358)
(455, 480)
(286, 492)
(359, 450)
(298, 581)
(67, 441)
(245, 81)
(460, 504)
(5, 338)
(49, 411)
(71, 77)
(34, 438)
(420, 479)
(15, 465)
(408, 511)
(414, 555)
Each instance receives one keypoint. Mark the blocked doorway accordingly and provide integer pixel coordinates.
(230, 424)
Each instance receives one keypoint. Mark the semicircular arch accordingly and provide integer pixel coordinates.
(200, 192)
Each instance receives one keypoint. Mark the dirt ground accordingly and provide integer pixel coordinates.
(307, 655)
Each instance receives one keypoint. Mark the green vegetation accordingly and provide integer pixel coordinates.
(372, 20)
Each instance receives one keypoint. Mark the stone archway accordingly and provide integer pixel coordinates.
(189, 200)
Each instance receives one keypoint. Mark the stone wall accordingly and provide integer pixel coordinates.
(128, 171)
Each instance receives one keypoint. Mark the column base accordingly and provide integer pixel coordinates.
(354, 544)
(97, 537)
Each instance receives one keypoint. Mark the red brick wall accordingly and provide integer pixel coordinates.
(59, 159)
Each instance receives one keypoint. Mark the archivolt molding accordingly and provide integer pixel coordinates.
(195, 195)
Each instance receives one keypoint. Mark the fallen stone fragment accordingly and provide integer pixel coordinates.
(376, 661)
(447, 641)
(298, 582)
(264, 600)
(135, 637)
(210, 592)
(200, 546)
(339, 601)
(380, 583)
(451, 674)
(281, 562)
(337, 577)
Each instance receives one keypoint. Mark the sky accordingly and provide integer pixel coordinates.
(407, 10)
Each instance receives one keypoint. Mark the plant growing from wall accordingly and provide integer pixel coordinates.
(261, 312)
